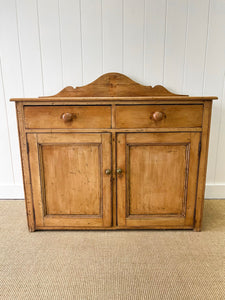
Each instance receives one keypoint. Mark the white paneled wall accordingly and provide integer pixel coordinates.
(46, 45)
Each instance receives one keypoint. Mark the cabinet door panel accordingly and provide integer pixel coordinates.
(81, 169)
(159, 195)
(158, 183)
(70, 187)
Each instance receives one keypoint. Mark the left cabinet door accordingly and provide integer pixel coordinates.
(70, 185)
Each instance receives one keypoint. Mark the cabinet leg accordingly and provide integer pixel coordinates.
(31, 228)
(197, 229)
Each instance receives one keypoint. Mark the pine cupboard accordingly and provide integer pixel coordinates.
(114, 154)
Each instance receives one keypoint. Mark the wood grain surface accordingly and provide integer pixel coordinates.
(82, 116)
(70, 184)
(159, 178)
(142, 116)
(114, 155)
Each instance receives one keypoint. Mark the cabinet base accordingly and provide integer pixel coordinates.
(118, 228)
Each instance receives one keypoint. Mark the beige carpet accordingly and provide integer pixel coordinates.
(111, 265)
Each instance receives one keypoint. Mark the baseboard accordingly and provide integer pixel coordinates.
(11, 192)
(213, 191)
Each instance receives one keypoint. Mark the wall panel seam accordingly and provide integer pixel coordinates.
(144, 33)
(165, 34)
(185, 48)
(7, 121)
(19, 48)
(39, 41)
(122, 36)
(219, 129)
(22, 80)
(81, 44)
(60, 44)
(206, 47)
(102, 50)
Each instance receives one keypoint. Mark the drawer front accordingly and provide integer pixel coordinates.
(67, 117)
(158, 116)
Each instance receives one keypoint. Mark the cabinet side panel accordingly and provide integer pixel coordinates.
(203, 164)
(192, 177)
(36, 180)
(25, 167)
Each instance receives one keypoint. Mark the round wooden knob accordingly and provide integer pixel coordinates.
(67, 117)
(157, 116)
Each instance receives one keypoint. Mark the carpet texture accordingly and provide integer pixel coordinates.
(111, 265)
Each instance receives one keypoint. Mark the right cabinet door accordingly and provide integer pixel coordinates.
(157, 176)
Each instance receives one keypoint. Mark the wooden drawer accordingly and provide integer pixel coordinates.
(67, 117)
(158, 116)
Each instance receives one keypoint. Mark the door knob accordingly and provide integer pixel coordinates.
(158, 116)
(67, 117)
(119, 171)
(107, 171)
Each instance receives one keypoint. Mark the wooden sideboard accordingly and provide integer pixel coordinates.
(114, 154)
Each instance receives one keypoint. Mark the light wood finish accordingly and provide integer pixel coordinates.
(107, 100)
(114, 155)
(158, 116)
(121, 180)
(69, 180)
(67, 117)
(203, 165)
(114, 85)
(114, 199)
(159, 178)
(25, 167)
(85, 197)
(115, 130)
(150, 190)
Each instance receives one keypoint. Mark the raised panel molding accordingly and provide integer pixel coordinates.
(169, 153)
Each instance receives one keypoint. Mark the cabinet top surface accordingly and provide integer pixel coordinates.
(114, 87)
